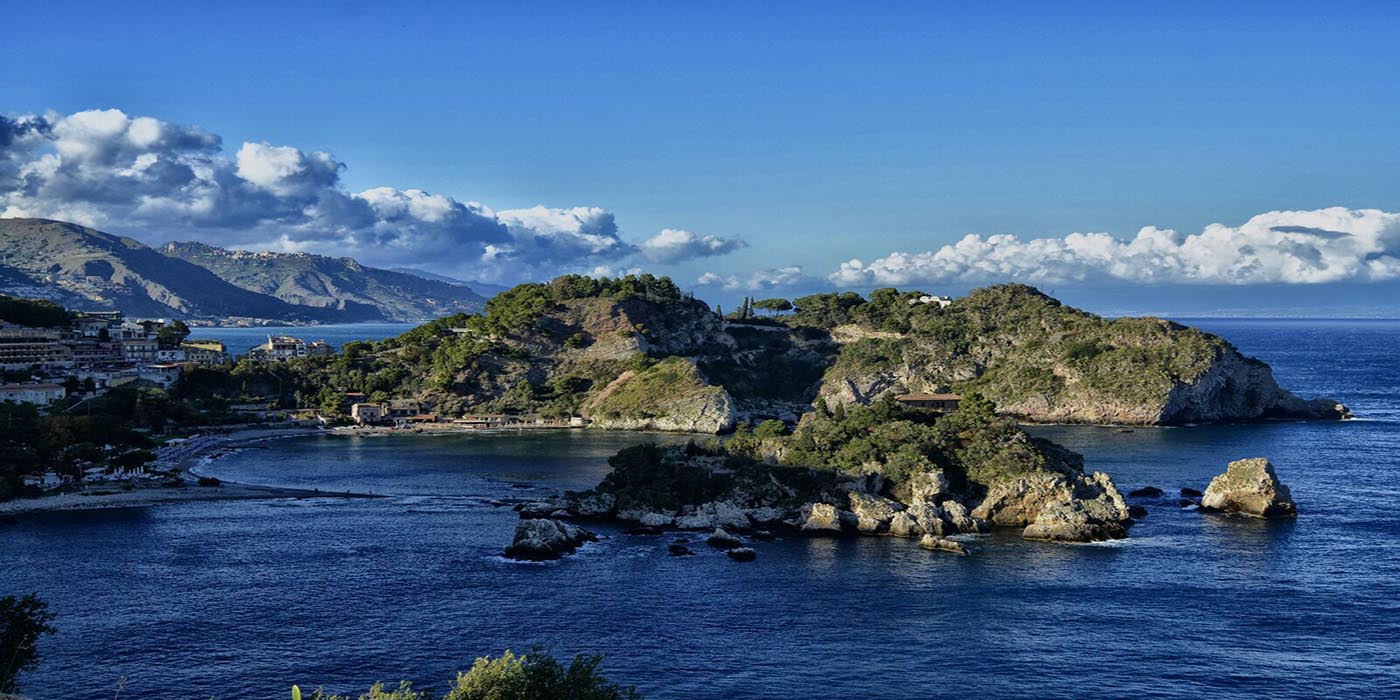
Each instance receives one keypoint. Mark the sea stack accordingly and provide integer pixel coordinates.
(1250, 487)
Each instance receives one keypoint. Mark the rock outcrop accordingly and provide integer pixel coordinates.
(1250, 487)
(542, 539)
(942, 544)
(1059, 507)
(671, 396)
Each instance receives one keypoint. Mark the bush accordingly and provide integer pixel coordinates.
(22, 622)
(536, 676)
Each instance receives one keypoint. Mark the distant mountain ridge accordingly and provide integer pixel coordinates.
(324, 282)
(83, 268)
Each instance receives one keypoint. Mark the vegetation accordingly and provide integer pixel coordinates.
(533, 676)
(37, 313)
(22, 622)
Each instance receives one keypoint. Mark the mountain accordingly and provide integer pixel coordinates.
(341, 284)
(83, 269)
(483, 288)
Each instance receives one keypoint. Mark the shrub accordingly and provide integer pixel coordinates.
(22, 622)
(537, 676)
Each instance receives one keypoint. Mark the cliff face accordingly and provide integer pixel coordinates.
(1043, 362)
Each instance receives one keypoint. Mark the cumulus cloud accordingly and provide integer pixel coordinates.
(759, 280)
(158, 181)
(675, 245)
(1293, 247)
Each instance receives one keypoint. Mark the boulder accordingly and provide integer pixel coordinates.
(873, 513)
(905, 525)
(656, 520)
(643, 530)
(766, 515)
(712, 515)
(742, 554)
(762, 535)
(542, 539)
(541, 508)
(592, 505)
(1190, 492)
(679, 550)
(1136, 512)
(956, 515)
(1145, 492)
(942, 544)
(723, 540)
(1094, 511)
(1250, 487)
(821, 518)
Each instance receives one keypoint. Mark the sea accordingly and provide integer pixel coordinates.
(240, 340)
(239, 600)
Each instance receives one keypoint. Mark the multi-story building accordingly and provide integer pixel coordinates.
(22, 348)
(364, 413)
(205, 352)
(279, 348)
(37, 394)
(139, 349)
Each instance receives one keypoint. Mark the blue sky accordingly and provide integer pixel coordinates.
(814, 132)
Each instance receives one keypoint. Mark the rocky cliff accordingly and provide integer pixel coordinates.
(1044, 362)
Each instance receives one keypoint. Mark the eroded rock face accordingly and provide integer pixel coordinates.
(1250, 487)
(873, 513)
(821, 518)
(723, 540)
(712, 515)
(542, 539)
(1059, 507)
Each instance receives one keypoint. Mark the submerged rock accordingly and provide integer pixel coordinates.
(742, 554)
(1145, 492)
(942, 544)
(643, 530)
(679, 550)
(542, 539)
(1190, 492)
(1250, 487)
(723, 539)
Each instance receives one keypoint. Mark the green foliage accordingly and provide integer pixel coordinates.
(769, 429)
(775, 305)
(38, 313)
(537, 676)
(22, 622)
(172, 334)
(646, 394)
(578, 340)
(642, 477)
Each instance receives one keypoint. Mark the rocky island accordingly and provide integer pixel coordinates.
(879, 470)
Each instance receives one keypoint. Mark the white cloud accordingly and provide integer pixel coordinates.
(159, 181)
(1326, 245)
(759, 280)
(675, 245)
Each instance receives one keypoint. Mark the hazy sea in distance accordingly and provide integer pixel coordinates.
(239, 600)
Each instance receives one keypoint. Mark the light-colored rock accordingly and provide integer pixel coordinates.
(928, 487)
(711, 515)
(541, 539)
(942, 544)
(821, 518)
(1250, 487)
(958, 518)
(1094, 511)
(742, 554)
(593, 505)
(723, 540)
(873, 513)
(657, 519)
(766, 515)
(905, 525)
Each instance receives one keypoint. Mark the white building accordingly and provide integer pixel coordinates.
(37, 394)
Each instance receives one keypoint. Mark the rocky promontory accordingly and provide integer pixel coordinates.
(1250, 487)
(879, 471)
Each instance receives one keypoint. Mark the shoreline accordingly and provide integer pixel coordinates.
(186, 461)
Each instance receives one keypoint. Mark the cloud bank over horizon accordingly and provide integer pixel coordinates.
(160, 181)
(1277, 247)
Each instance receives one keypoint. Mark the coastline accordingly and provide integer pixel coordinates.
(186, 460)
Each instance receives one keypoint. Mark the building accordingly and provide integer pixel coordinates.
(163, 375)
(942, 302)
(320, 348)
(170, 355)
(404, 408)
(364, 413)
(139, 349)
(936, 402)
(22, 347)
(205, 352)
(88, 352)
(37, 394)
(279, 348)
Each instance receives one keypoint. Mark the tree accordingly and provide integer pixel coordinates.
(537, 676)
(22, 622)
(774, 305)
(170, 336)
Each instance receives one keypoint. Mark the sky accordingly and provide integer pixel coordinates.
(1240, 155)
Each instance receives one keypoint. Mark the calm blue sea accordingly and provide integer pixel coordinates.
(240, 340)
(239, 600)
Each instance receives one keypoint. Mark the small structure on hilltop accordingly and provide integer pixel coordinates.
(936, 402)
